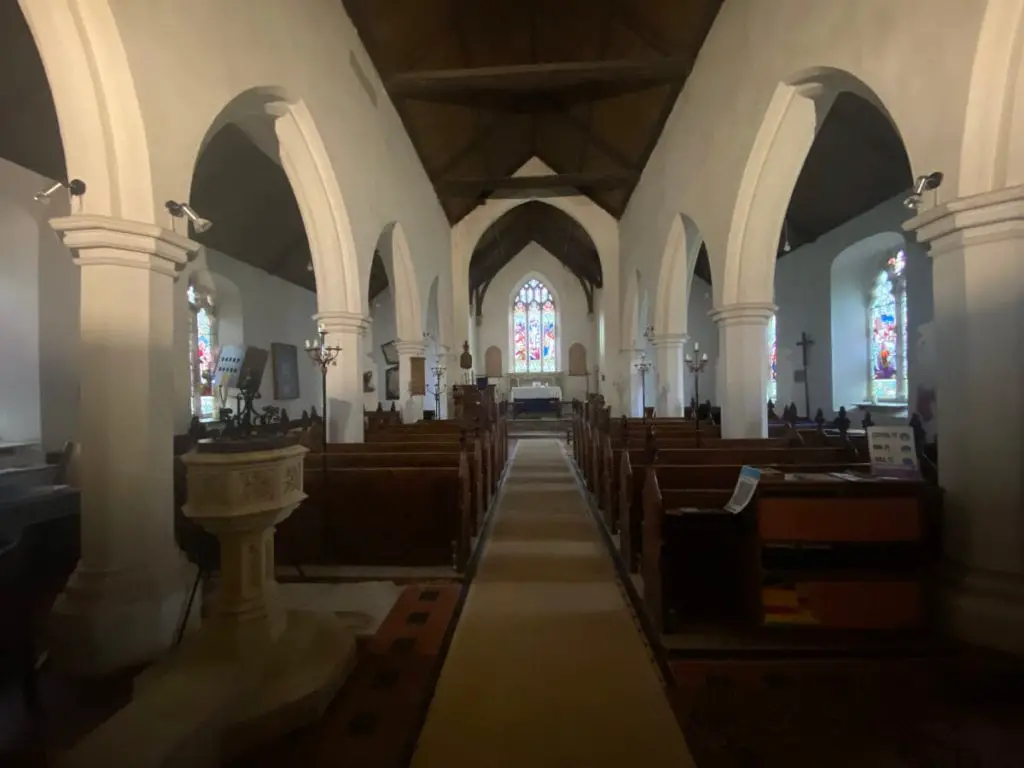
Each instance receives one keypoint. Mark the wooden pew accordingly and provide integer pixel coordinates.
(452, 431)
(399, 515)
(856, 552)
(634, 463)
(479, 497)
(608, 491)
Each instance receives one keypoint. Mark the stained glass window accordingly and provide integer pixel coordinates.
(202, 353)
(887, 318)
(773, 390)
(534, 330)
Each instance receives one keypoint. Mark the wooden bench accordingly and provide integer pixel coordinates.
(633, 465)
(399, 516)
(421, 435)
(480, 498)
(831, 554)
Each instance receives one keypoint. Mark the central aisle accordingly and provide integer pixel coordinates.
(547, 667)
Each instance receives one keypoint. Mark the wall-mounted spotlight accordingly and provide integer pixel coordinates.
(184, 211)
(922, 185)
(75, 187)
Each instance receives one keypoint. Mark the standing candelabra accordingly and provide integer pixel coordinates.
(696, 363)
(438, 388)
(643, 365)
(323, 356)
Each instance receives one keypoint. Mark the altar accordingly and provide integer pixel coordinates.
(542, 399)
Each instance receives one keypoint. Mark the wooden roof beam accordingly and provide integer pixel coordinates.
(534, 78)
(568, 183)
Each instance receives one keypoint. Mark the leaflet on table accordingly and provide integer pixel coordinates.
(744, 490)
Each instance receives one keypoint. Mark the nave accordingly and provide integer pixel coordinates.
(547, 665)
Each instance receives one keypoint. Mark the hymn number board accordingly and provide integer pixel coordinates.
(229, 364)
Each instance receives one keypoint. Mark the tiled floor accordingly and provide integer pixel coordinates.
(374, 720)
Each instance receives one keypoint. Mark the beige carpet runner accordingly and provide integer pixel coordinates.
(547, 667)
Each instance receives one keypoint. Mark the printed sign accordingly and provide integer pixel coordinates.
(893, 453)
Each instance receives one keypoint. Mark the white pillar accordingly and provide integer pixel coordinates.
(344, 417)
(742, 374)
(669, 374)
(977, 247)
(125, 600)
(411, 405)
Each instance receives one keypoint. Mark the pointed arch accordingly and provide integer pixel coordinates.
(394, 253)
(97, 108)
(676, 275)
(988, 160)
(796, 111)
(312, 179)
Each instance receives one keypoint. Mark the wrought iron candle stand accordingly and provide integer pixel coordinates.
(438, 389)
(696, 362)
(643, 366)
(324, 356)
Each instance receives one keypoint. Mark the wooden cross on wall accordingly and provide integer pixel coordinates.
(805, 343)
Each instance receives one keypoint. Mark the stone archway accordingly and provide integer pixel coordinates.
(98, 110)
(304, 159)
(797, 110)
(989, 157)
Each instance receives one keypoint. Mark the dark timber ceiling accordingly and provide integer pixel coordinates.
(548, 226)
(585, 85)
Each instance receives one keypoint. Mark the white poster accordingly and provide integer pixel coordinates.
(892, 452)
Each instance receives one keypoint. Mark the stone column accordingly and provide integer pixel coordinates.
(669, 374)
(742, 374)
(411, 405)
(977, 247)
(344, 416)
(125, 600)
(627, 382)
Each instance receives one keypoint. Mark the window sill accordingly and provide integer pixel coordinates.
(892, 406)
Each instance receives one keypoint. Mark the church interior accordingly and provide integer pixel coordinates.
(400, 383)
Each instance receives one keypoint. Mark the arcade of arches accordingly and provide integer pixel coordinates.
(835, 223)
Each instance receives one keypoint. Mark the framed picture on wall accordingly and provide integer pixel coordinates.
(285, 366)
(392, 390)
(390, 352)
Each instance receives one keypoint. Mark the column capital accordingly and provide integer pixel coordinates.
(410, 347)
(343, 323)
(669, 340)
(985, 218)
(752, 313)
(108, 241)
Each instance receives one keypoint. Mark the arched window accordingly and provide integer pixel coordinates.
(202, 352)
(887, 333)
(534, 330)
(773, 389)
